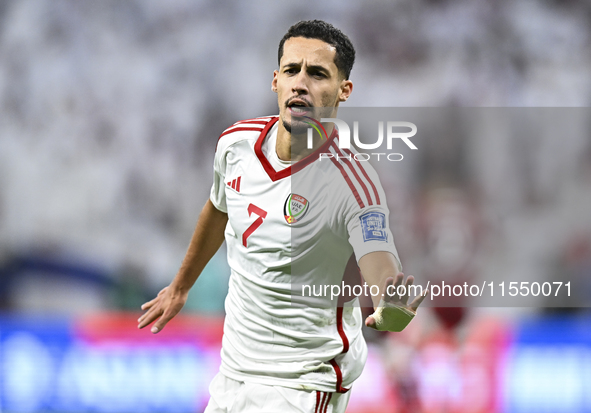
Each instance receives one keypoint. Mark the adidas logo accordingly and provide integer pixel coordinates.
(235, 184)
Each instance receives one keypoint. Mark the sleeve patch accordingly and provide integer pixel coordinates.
(373, 225)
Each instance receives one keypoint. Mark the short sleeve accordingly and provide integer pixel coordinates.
(217, 194)
(367, 215)
(369, 231)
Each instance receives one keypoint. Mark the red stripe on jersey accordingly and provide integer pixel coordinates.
(353, 189)
(355, 174)
(316, 154)
(375, 190)
(335, 366)
(234, 184)
(264, 119)
(317, 401)
(276, 175)
(252, 122)
(327, 402)
(238, 184)
(337, 370)
(322, 402)
(341, 330)
(239, 129)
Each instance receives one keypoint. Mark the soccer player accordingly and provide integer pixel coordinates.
(278, 356)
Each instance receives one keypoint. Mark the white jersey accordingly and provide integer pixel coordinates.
(288, 221)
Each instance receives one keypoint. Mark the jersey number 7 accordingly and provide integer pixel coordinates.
(252, 208)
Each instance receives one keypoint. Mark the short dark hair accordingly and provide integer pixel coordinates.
(321, 30)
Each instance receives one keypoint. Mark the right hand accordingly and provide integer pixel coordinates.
(164, 307)
(394, 312)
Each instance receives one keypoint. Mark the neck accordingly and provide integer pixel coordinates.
(295, 147)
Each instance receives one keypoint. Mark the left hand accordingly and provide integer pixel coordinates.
(163, 308)
(393, 312)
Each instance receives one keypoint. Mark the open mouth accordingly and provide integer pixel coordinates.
(298, 107)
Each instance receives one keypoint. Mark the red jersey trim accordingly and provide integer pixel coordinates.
(355, 174)
(348, 180)
(327, 402)
(276, 175)
(252, 122)
(341, 330)
(240, 129)
(337, 370)
(238, 126)
(319, 406)
(263, 119)
(322, 405)
(375, 190)
(333, 362)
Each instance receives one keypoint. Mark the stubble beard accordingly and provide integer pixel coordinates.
(301, 125)
(286, 125)
(295, 124)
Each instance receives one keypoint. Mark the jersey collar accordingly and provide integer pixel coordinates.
(298, 166)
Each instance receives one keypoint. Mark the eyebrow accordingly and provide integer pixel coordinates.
(313, 67)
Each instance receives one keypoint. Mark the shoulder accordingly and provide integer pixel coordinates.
(247, 129)
(358, 178)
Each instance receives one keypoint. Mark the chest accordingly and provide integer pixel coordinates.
(292, 212)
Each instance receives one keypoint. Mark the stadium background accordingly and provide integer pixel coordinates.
(109, 114)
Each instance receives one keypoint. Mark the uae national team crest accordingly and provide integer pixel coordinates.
(295, 208)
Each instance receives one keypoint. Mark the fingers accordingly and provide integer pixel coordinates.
(154, 310)
(398, 280)
(391, 288)
(392, 291)
(161, 310)
(418, 300)
(149, 304)
(370, 322)
(388, 288)
(163, 318)
(409, 281)
(168, 314)
(162, 321)
(149, 317)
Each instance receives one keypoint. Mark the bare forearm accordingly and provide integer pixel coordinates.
(376, 268)
(207, 239)
(393, 311)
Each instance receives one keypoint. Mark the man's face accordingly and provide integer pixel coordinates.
(308, 78)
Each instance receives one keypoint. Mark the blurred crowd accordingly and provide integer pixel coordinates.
(110, 113)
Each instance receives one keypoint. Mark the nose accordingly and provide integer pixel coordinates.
(300, 83)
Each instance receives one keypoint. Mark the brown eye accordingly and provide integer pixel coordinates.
(318, 74)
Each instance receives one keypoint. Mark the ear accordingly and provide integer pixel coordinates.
(274, 82)
(346, 88)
